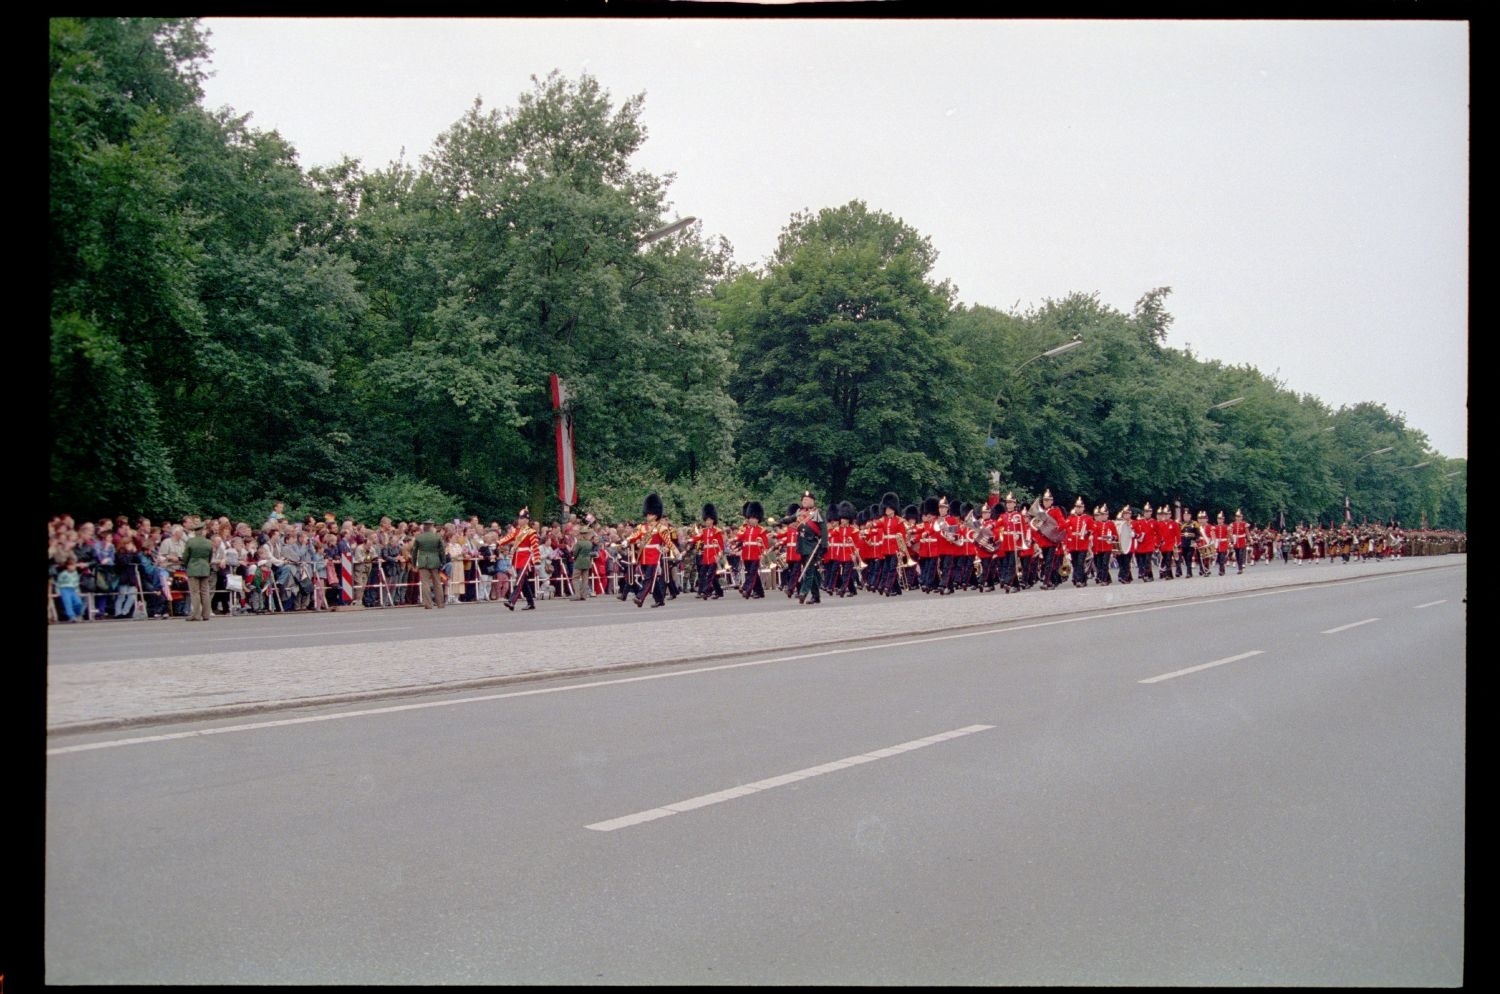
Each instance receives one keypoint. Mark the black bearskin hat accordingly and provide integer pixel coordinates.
(652, 507)
(964, 509)
(930, 505)
(910, 513)
(752, 509)
(890, 500)
(845, 511)
(710, 512)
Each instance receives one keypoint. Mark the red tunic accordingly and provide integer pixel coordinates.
(1080, 532)
(1106, 538)
(752, 539)
(710, 544)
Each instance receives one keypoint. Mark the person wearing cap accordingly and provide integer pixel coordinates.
(888, 535)
(427, 553)
(197, 559)
(989, 561)
(840, 555)
(1008, 537)
(710, 546)
(1168, 536)
(1103, 544)
(1239, 535)
(1080, 536)
(654, 538)
(1219, 530)
(526, 557)
(928, 543)
(1145, 543)
(1125, 525)
(787, 539)
(811, 543)
(948, 550)
(1051, 552)
(584, 543)
(753, 541)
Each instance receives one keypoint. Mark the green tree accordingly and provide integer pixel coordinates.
(122, 253)
(838, 346)
(537, 229)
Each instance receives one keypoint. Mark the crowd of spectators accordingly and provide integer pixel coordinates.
(119, 569)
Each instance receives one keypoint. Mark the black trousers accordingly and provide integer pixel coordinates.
(752, 587)
(1143, 564)
(1080, 560)
(652, 584)
(1051, 563)
(521, 587)
(1101, 568)
(708, 581)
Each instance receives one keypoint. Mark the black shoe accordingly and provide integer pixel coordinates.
(529, 607)
(509, 606)
(801, 598)
(657, 603)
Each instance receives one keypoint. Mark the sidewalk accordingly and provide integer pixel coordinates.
(117, 693)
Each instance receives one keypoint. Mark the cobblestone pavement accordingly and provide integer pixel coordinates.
(108, 693)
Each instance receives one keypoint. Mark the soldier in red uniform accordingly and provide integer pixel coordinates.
(1145, 543)
(1103, 544)
(864, 551)
(1239, 536)
(1219, 533)
(840, 556)
(654, 539)
(909, 577)
(525, 558)
(1027, 554)
(710, 544)
(986, 543)
(1168, 537)
(1080, 536)
(1008, 536)
(887, 537)
(1051, 551)
(928, 540)
(753, 542)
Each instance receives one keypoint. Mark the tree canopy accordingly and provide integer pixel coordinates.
(227, 328)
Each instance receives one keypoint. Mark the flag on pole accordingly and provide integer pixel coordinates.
(567, 485)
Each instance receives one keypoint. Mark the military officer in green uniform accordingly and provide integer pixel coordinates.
(197, 557)
(427, 550)
(812, 542)
(584, 544)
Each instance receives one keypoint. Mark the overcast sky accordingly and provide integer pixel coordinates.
(1301, 186)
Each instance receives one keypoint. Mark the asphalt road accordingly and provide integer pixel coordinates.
(1258, 789)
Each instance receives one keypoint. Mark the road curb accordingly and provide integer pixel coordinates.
(246, 709)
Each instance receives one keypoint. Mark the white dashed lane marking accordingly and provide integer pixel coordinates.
(1345, 628)
(743, 790)
(1202, 666)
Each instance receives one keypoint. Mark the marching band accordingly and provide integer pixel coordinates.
(938, 546)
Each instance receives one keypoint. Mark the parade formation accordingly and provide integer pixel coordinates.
(938, 547)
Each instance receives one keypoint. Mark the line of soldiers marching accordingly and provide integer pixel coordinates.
(934, 547)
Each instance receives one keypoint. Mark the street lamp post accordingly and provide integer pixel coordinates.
(1073, 343)
(664, 232)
